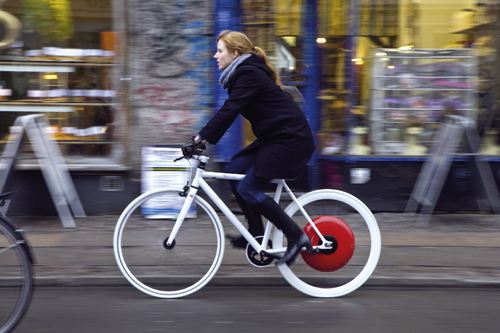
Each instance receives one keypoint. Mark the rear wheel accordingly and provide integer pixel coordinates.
(16, 281)
(351, 227)
(158, 269)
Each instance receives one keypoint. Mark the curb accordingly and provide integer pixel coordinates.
(375, 281)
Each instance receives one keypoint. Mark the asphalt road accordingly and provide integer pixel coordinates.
(262, 309)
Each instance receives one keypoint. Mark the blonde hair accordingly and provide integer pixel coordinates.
(237, 41)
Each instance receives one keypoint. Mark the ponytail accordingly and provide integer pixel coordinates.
(261, 54)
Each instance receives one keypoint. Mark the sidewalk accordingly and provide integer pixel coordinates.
(453, 250)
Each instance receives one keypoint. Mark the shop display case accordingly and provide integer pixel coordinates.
(72, 90)
(411, 92)
(259, 24)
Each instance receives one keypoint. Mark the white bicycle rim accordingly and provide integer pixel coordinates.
(120, 260)
(374, 253)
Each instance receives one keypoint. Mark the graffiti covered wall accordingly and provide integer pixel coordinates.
(171, 67)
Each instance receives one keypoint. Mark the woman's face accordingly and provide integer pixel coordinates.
(223, 57)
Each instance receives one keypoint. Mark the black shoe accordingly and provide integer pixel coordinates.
(293, 248)
(237, 241)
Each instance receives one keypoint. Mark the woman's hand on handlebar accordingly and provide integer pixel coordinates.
(193, 147)
(201, 144)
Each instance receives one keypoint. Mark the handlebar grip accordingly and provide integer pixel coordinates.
(192, 148)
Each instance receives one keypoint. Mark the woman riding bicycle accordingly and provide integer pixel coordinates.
(284, 141)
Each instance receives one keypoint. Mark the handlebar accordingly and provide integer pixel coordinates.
(191, 148)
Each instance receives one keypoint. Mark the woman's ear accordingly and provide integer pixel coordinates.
(236, 54)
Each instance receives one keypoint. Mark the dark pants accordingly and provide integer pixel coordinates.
(251, 187)
(248, 191)
(252, 200)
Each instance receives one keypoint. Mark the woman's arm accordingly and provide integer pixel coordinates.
(246, 85)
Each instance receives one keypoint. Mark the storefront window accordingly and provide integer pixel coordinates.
(408, 64)
(62, 65)
(332, 95)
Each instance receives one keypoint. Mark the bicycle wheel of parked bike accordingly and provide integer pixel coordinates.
(16, 282)
(346, 222)
(168, 271)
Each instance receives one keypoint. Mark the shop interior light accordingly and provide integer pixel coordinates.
(50, 77)
(406, 47)
(291, 40)
(358, 61)
(390, 66)
(321, 40)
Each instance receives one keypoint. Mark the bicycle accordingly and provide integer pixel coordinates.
(177, 256)
(16, 274)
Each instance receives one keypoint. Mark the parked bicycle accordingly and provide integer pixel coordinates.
(16, 276)
(170, 258)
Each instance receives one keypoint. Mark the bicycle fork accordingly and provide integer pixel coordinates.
(193, 189)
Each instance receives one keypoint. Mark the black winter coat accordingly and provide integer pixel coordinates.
(284, 138)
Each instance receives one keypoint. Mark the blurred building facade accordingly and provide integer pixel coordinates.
(377, 78)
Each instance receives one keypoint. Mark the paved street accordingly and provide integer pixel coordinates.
(263, 309)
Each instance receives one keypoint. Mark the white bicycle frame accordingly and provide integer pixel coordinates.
(198, 182)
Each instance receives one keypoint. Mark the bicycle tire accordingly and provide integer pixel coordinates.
(151, 267)
(16, 277)
(366, 238)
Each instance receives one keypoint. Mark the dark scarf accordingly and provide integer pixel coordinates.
(228, 72)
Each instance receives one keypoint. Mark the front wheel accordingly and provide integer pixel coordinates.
(16, 279)
(158, 269)
(351, 227)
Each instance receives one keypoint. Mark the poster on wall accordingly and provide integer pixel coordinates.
(159, 171)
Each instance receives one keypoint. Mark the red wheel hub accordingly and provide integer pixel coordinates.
(334, 230)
